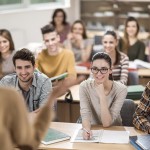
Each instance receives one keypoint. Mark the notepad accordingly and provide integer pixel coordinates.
(59, 77)
(54, 136)
(144, 141)
(103, 136)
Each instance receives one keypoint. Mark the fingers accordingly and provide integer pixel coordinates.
(87, 136)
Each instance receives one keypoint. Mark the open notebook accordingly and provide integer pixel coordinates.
(54, 136)
(103, 136)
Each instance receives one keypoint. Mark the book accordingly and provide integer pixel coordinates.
(59, 77)
(54, 136)
(102, 136)
(133, 142)
(135, 92)
(143, 141)
(137, 63)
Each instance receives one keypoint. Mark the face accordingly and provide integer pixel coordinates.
(59, 18)
(4, 45)
(77, 28)
(109, 43)
(105, 68)
(52, 42)
(24, 70)
(131, 28)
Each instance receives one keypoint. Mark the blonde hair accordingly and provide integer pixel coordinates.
(15, 129)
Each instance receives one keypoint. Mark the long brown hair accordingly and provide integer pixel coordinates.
(7, 35)
(125, 44)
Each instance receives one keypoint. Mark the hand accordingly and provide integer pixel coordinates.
(99, 88)
(70, 36)
(87, 136)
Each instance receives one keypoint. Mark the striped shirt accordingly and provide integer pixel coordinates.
(141, 117)
(120, 70)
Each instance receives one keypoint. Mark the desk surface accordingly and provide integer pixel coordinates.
(69, 128)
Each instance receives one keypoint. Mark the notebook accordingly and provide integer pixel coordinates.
(103, 136)
(143, 141)
(59, 77)
(54, 136)
(133, 142)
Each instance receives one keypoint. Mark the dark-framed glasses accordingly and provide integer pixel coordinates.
(102, 70)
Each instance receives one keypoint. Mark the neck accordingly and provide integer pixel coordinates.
(113, 56)
(6, 54)
(25, 85)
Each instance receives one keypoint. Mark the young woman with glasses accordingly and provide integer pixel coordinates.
(101, 98)
(120, 61)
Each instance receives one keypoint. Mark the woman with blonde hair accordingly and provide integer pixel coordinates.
(15, 127)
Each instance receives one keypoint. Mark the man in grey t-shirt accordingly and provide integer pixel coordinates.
(34, 86)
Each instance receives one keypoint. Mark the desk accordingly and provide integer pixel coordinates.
(69, 128)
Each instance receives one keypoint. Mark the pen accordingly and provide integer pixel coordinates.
(86, 131)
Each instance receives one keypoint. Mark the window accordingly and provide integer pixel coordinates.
(15, 4)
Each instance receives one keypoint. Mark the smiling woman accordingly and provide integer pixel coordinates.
(6, 53)
(101, 98)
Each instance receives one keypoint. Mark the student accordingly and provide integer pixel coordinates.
(55, 60)
(34, 86)
(130, 44)
(120, 61)
(141, 117)
(16, 130)
(61, 25)
(7, 50)
(101, 98)
(78, 42)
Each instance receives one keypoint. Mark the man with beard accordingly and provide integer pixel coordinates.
(34, 86)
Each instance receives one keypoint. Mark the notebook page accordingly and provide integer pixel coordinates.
(119, 137)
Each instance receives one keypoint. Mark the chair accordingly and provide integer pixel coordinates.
(127, 112)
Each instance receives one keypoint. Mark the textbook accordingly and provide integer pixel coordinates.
(102, 136)
(59, 77)
(143, 141)
(138, 64)
(54, 136)
(133, 142)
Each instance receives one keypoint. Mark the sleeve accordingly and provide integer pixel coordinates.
(71, 65)
(124, 70)
(4, 82)
(45, 91)
(141, 53)
(140, 117)
(118, 102)
(85, 109)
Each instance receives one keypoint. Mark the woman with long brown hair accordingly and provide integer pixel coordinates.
(7, 50)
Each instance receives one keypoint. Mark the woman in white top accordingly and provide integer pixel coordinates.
(6, 53)
(101, 98)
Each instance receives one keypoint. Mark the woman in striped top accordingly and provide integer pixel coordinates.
(120, 60)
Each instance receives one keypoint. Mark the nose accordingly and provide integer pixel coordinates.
(99, 73)
(23, 71)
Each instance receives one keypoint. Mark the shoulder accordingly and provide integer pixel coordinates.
(40, 77)
(42, 54)
(87, 83)
(139, 42)
(9, 79)
(118, 86)
(123, 56)
(67, 52)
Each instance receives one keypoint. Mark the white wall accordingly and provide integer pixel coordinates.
(25, 25)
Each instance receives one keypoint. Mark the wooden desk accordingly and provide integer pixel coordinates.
(69, 128)
(144, 76)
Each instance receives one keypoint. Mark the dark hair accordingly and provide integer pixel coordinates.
(118, 56)
(24, 54)
(48, 28)
(125, 39)
(55, 14)
(7, 35)
(106, 57)
(84, 35)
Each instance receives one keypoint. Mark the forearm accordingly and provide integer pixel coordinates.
(86, 124)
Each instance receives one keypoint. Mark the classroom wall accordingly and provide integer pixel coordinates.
(25, 25)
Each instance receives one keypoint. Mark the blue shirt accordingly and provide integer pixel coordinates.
(38, 92)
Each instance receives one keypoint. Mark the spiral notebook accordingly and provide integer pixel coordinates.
(103, 136)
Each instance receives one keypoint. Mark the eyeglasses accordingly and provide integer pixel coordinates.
(103, 70)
